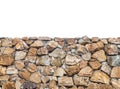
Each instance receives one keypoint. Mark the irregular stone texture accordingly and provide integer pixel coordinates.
(99, 76)
(115, 72)
(6, 60)
(99, 55)
(62, 81)
(60, 63)
(113, 60)
(111, 49)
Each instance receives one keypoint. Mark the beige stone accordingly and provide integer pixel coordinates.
(115, 72)
(59, 72)
(8, 51)
(32, 51)
(6, 60)
(99, 55)
(115, 83)
(20, 55)
(2, 70)
(4, 78)
(62, 81)
(8, 85)
(83, 63)
(19, 65)
(99, 76)
(53, 44)
(37, 43)
(24, 74)
(35, 77)
(86, 71)
(95, 64)
(32, 67)
(11, 70)
(42, 51)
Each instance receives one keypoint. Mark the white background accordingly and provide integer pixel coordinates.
(60, 18)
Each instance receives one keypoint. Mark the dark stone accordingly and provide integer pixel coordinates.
(29, 85)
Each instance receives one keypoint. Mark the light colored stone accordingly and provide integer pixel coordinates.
(81, 48)
(37, 43)
(19, 65)
(58, 53)
(83, 63)
(95, 64)
(106, 68)
(94, 46)
(35, 77)
(20, 55)
(8, 85)
(18, 84)
(24, 74)
(11, 70)
(6, 42)
(4, 78)
(114, 40)
(99, 86)
(99, 76)
(53, 44)
(113, 60)
(62, 81)
(56, 62)
(81, 80)
(43, 60)
(59, 72)
(32, 67)
(86, 56)
(42, 51)
(115, 72)
(99, 55)
(2, 70)
(6, 60)
(8, 51)
(115, 83)
(72, 60)
(86, 71)
(111, 49)
(32, 51)
(31, 59)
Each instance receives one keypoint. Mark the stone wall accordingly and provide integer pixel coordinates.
(59, 63)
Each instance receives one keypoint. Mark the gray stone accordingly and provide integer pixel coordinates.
(20, 55)
(106, 68)
(113, 60)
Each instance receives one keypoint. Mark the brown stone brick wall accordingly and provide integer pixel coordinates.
(59, 63)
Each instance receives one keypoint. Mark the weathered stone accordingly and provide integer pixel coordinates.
(94, 46)
(4, 78)
(6, 60)
(99, 86)
(104, 40)
(24, 74)
(52, 84)
(84, 40)
(8, 51)
(53, 44)
(83, 63)
(71, 70)
(58, 53)
(72, 60)
(32, 51)
(99, 55)
(29, 85)
(18, 84)
(2, 70)
(95, 64)
(99, 76)
(74, 87)
(31, 58)
(70, 41)
(80, 87)
(81, 48)
(106, 68)
(62, 81)
(11, 70)
(56, 62)
(59, 72)
(111, 49)
(32, 67)
(42, 51)
(6, 42)
(113, 60)
(48, 70)
(19, 65)
(115, 83)
(86, 56)
(35, 77)
(37, 43)
(8, 85)
(115, 72)
(43, 60)
(20, 55)
(85, 72)
(114, 40)
(81, 80)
